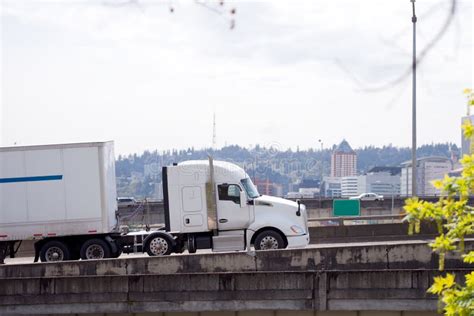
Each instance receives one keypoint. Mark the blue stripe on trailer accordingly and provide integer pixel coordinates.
(31, 179)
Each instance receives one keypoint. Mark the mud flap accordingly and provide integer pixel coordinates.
(3, 251)
(113, 245)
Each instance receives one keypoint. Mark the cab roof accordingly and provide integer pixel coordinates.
(223, 170)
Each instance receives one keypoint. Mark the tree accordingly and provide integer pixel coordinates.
(455, 220)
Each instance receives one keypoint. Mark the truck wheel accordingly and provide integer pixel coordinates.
(54, 251)
(269, 240)
(191, 244)
(158, 246)
(95, 249)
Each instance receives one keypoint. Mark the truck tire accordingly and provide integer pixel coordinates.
(269, 240)
(94, 249)
(158, 245)
(53, 251)
(192, 244)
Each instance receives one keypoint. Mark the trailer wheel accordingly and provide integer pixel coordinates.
(94, 249)
(158, 246)
(269, 240)
(54, 250)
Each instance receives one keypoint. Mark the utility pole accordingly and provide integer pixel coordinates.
(413, 131)
(322, 159)
(214, 136)
(322, 172)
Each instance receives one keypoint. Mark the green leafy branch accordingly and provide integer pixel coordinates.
(454, 219)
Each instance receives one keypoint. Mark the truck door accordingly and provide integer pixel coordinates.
(230, 213)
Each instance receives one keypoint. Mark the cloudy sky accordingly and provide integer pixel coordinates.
(288, 74)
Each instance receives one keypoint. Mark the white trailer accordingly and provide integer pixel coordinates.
(62, 195)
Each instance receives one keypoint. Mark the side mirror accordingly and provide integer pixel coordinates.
(243, 199)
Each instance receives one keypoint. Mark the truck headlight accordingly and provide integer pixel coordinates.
(297, 229)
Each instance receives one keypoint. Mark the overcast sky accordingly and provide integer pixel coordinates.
(288, 74)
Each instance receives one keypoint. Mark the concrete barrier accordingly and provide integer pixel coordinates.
(402, 290)
(344, 278)
(394, 255)
(332, 234)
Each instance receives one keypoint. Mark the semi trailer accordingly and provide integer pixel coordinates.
(64, 198)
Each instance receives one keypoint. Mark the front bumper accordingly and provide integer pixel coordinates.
(298, 241)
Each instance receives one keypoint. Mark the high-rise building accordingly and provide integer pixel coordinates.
(331, 187)
(466, 144)
(381, 180)
(343, 161)
(349, 186)
(268, 188)
(428, 169)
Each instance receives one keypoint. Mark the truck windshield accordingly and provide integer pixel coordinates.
(250, 188)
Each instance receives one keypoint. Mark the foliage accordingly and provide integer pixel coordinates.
(455, 220)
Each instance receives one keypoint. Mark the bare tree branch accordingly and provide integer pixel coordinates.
(421, 56)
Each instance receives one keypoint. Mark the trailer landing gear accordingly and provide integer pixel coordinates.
(7, 248)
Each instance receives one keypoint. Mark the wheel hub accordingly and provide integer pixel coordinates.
(54, 254)
(268, 242)
(158, 246)
(94, 252)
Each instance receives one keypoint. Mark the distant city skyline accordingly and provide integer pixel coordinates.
(285, 76)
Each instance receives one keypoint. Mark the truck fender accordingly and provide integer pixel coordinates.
(253, 234)
(277, 223)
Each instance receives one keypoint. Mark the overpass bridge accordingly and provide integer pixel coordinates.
(371, 278)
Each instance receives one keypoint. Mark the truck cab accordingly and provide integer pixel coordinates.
(214, 205)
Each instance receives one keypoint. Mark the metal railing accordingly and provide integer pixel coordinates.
(325, 221)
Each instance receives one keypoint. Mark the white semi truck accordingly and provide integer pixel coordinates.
(64, 198)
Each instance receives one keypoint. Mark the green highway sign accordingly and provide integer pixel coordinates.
(346, 208)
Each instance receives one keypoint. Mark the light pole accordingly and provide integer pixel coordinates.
(322, 159)
(322, 171)
(413, 131)
(393, 192)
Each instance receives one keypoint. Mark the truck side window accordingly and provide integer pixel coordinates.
(229, 192)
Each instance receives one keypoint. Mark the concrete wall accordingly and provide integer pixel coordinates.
(403, 290)
(369, 232)
(343, 257)
(347, 278)
(268, 313)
